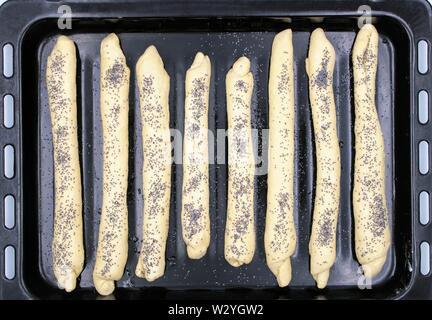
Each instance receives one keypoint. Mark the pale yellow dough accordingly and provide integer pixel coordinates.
(322, 246)
(240, 226)
(154, 84)
(372, 231)
(195, 196)
(112, 247)
(67, 244)
(280, 234)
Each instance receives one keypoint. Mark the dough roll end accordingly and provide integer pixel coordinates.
(155, 274)
(374, 267)
(67, 281)
(238, 262)
(282, 271)
(150, 58)
(200, 60)
(196, 252)
(366, 40)
(63, 43)
(242, 66)
(319, 46)
(103, 286)
(322, 278)
(283, 37)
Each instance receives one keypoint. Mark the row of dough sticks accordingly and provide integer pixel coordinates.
(372, 232)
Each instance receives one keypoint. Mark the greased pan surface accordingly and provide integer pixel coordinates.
(213, 272)
(224, 34)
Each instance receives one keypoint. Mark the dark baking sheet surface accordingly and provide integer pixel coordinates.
(177, 50)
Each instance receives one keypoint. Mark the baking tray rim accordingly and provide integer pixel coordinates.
(27, 25)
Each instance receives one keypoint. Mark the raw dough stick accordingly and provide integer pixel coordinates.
(322, 246)
(67, 245)
(372, 232)
(280, 234)
(114, 103)
(195, 202)
(154, 84)
(240, 226)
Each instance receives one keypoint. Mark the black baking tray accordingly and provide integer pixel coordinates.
(224, 30)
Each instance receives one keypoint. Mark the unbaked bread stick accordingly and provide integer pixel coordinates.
(372, 231)
(280, 234)
(322, 246)
(112, 250)
(240, 225)
(195, 196)
(154, 84)
(67, 244)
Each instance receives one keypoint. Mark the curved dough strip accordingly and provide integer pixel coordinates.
(112, 247)
(195, 196)
(67, 244)
(322, 246)
(240, 226)
(372, 231)
(154, 83)
(280, 234)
